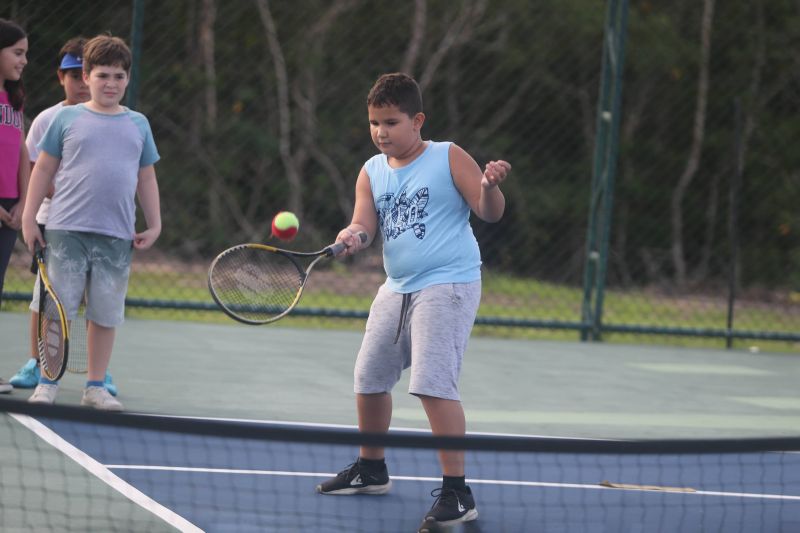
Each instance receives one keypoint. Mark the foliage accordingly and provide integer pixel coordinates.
(259, 106)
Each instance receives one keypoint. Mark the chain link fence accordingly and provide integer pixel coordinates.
(259, 106)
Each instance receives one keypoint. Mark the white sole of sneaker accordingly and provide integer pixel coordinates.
(369, 489)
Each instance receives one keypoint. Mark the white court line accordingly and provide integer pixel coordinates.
(438, 479)
(102, 473)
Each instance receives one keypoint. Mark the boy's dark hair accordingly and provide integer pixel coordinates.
(106, 51)
(10, 33)
(397, 89)
(73, 47)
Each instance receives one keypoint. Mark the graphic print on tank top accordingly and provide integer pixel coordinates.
(400, 213)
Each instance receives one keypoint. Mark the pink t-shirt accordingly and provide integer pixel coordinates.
(10, 140)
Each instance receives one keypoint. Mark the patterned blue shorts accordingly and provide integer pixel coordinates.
(98, 265)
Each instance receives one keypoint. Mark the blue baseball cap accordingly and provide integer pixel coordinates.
(69, 61)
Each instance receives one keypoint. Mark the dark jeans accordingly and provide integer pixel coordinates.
(8, 237)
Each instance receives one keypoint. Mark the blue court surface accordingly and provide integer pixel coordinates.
(201, 483)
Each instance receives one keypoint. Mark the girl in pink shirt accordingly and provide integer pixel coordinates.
(14, 167)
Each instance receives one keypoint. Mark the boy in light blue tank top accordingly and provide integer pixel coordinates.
(106, 155)
(418, 195)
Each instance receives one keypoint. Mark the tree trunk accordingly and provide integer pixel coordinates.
(295, 199)
(208, 15)
(695, 152)
(207, 19)
(639, 97)
(417, 36)
(704, 265)
(460, 31)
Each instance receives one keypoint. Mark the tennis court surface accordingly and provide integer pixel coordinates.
(242, 423)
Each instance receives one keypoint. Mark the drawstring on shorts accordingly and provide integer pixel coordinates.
(403, 313)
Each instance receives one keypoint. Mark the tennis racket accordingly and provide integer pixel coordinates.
(52, 332)
(258, 284)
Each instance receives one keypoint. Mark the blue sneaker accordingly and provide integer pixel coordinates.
(108, 383)
(27, 377)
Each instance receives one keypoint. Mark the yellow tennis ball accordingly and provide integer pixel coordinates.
(285, 225)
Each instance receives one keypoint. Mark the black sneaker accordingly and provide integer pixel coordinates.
(451, 507)
(355, 479)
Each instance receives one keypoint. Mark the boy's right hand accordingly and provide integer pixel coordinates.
(31, 234)
(351, 241)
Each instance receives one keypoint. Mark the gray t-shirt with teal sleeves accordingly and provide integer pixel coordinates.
(100, 160)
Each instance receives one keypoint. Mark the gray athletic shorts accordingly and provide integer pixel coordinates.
(98, 265)
(435, 329)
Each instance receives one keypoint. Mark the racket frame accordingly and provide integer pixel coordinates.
(46, 291)
(327, 252)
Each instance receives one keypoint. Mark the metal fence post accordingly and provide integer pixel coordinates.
(733, 221)
(603, 169)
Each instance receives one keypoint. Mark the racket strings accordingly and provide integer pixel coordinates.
(51, 341)
(256, 284)
(78, 353)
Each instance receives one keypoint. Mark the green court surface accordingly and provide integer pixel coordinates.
(508, 386)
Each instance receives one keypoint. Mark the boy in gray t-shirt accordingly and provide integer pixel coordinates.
(70, 76)
(106, 155)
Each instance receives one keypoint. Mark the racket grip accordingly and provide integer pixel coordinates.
(337, 248)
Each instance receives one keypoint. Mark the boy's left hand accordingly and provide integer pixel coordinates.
(146, 239)
(495, 173)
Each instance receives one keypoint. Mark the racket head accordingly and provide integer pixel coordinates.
(255, 283)
(52, 332)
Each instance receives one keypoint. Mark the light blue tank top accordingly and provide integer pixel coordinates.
(424, 220)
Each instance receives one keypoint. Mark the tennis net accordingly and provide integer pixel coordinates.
(71, 469)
